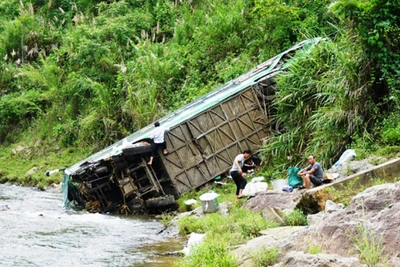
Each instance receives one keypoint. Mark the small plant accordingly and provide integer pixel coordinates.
(166, 219)
(379, 181)
(265, 257)
(314, 249)
(296, 218)
(371, 249)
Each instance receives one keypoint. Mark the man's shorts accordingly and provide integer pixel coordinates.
(315, 180)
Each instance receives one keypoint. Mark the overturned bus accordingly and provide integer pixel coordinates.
(203, 139)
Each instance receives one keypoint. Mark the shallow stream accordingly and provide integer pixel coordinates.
(36, 230)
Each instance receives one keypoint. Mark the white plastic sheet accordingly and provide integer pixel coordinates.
(348, 155)
(255, 186)
(194, 241)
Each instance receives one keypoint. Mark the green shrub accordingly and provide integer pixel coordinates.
(296, 218)
(212, 253)
(265, 257)
(246, 224)
(391, 136)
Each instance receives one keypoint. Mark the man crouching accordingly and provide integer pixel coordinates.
(311, 174)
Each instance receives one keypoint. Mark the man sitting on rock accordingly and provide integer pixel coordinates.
(311, 174)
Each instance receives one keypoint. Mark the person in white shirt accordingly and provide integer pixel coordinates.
(158, 135)
(237, 172)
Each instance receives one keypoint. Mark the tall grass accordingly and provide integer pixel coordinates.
(322, 101)
(371, 249)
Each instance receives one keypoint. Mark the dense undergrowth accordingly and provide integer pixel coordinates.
(76, 76)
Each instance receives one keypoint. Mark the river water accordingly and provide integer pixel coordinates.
(36, 230)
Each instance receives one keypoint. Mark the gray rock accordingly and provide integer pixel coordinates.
(273, 199)
(275, 237)
(273, 215)
(351, 167)
(331, 206)
(298, 258)
(315, 218)
(224, 208)
(377, 208)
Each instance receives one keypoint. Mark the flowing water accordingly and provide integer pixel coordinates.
(36, 230)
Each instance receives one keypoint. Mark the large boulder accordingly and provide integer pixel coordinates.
(275, 199)
(280, 238)
(298, 258)
(377, 209)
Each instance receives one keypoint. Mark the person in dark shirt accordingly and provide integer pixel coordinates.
(311, 174)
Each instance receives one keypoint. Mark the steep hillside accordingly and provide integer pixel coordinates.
(76, 76)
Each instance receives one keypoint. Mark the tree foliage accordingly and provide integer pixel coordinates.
(90, 72)
(107, 68)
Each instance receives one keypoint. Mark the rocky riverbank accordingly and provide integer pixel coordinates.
(345, 236)
(364, 232)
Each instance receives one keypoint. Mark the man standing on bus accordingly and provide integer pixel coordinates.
(158, 136)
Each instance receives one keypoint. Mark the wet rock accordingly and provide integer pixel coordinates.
(54, 187)
(273, 199)
(331, 206)
(298, 258)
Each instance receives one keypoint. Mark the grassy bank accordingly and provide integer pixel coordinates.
(26, 165)
(224, 232)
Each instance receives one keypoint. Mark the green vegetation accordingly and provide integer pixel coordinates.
(212, 252)
(166, 219)
(83, 74)
(371, 249)
(314, 249)
(265, 257)
(223, 232)
(344, 93)
(237, 227)
(76, 76)
(295, 218)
